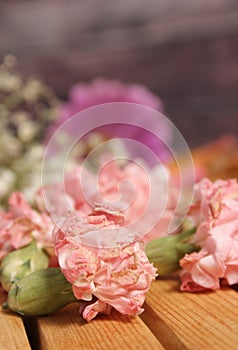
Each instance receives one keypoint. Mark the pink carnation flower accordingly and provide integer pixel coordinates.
(131, 197)
(130, 191)
(103, 91)
(118, 277)
(21, 224)
(216, 213)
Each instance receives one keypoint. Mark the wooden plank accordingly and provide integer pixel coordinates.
(67, 330)
(12, 335)
(192, 320)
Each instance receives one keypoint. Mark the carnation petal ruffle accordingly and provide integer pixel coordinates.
(216, 212)
(21, 224)
(118, 277)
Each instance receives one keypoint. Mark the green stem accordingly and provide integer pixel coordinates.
(166, 252)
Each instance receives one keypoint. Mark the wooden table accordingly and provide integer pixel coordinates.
(171, 320)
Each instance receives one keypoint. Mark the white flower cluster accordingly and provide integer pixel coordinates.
(27, 108)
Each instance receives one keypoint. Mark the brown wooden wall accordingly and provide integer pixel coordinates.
(185, 51)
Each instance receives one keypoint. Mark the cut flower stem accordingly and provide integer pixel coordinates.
(166, 252)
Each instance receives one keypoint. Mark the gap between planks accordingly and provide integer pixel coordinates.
(174, 319)
(13, 334)
(66, 329)
(193, 321)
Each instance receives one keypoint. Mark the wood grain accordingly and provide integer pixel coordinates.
(12, 334)
(67, 330)
(192, 320)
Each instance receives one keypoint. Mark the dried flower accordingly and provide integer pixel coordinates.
(128, 189)
(118, 277)
(21, 224)
(216, 212)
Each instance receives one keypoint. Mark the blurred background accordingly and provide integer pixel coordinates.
(184, 51)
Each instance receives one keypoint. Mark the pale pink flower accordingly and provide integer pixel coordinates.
(90, 311)
(205, 267)
(188, 284)
(78, 191)
(215, 203)
(21, 224)
(5, 237)
(126, 190)
(118, 277)
(139, 196)
(216, 212)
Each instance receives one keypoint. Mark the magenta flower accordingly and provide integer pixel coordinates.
(216, 212)
(102, 91)
(117, 277)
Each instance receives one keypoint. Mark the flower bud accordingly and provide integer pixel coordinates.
(166, 252)
(40, 293)
(22, 262)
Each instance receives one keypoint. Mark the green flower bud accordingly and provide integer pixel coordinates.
(166, 252)
(40, 293)
(22, 262)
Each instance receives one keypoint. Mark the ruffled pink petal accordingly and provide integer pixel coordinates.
(21, 224)
(188, 284)
(207, 272)
(119, 277)
(92, 310)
